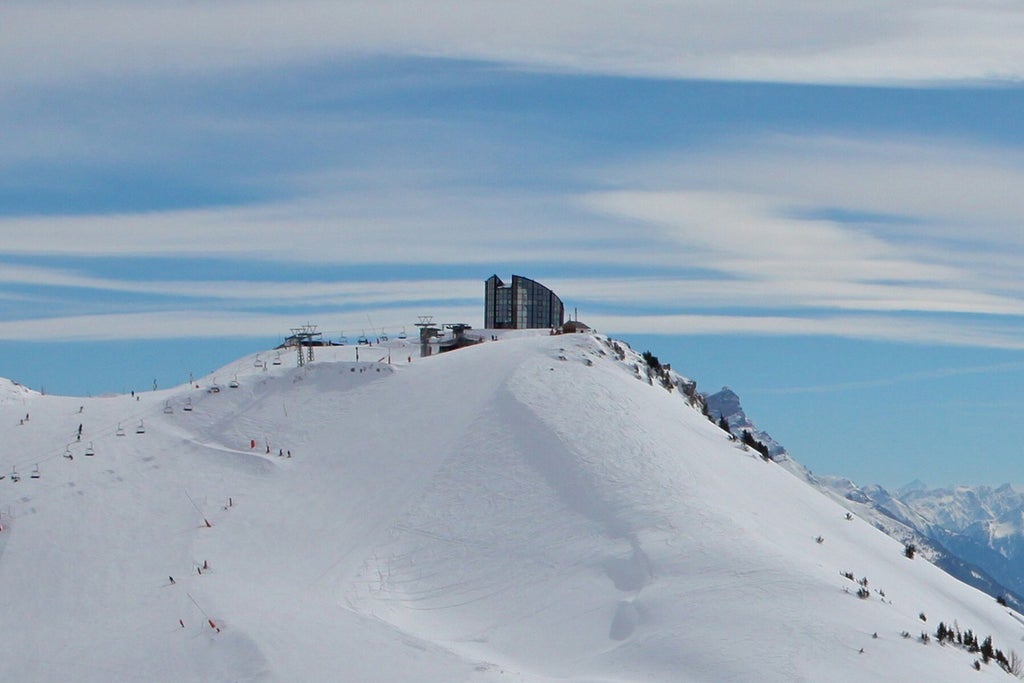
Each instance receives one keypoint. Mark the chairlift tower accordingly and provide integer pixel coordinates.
(304, 337)
(427, 331)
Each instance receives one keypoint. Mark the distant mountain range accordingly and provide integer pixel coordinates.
(976, 533)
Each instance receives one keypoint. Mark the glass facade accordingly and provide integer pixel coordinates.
(525, 304)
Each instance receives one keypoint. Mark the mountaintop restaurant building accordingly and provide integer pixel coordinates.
(523, 304)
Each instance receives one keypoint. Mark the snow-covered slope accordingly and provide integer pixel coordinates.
(532, 509)
(959, 530)
(983, 525)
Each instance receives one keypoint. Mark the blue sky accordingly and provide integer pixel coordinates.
(817, 204)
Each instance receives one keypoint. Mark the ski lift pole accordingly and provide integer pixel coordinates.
(206, 521)
(209, 620)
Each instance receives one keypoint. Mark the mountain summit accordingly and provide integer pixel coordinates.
(533, 509)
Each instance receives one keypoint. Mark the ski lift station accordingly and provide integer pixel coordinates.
(522, 304)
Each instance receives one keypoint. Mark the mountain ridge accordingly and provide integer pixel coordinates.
(532, 509)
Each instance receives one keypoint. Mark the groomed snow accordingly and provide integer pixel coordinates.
(491, 514)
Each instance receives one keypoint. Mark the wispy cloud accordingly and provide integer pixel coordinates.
(993, 335)
(895, 380)
(206, 324)
(782, 40)
(785, 239)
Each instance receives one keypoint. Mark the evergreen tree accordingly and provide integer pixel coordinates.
(987, 651)
(723, 423)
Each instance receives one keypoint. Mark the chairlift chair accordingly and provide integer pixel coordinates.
(120, 430)
(277, 359)
(342, 340)
(188, 405)
(234, 382)
(258, 363)
(362, 339)
(14, 474)
(67, 453)
(90, 451)
(402, 334)
(141, 429)
(35, 473)
(167, 408)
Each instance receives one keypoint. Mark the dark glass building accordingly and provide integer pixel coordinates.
(525, 304)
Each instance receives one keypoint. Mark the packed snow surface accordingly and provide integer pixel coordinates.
(529, 509)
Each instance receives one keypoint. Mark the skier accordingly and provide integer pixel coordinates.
(171, 579)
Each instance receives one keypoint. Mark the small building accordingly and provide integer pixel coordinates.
(572, 326)
(523, 304)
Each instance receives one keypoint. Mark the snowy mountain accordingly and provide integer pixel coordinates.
(533, 509)
(982, 525)
(726, 404)
(972, 533)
